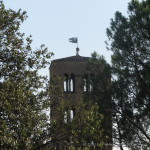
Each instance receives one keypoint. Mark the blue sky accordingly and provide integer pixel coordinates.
(53, 22)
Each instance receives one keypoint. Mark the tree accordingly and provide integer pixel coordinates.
(84, 131)
(100, 81)
(23, 92)
(129, 40)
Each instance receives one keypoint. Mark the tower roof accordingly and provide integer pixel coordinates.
(76, 58)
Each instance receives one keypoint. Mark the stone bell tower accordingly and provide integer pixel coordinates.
(73, 84)
(72, 71)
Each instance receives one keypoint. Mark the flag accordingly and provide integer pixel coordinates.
(73, 40)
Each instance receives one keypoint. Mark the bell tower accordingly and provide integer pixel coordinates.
(74, 83)
(72, 70)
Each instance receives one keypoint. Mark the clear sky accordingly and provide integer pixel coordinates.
(53, 22)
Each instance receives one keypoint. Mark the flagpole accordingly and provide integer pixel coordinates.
(77, 42)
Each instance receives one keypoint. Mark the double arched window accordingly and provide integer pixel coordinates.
(69, 115)
(88, 82)
(69, 83)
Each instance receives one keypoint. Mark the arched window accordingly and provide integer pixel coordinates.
(65, 117)
(85, 84)
(90, 86)
(66, 83)
(65, 88)
(91, 82)
(72, 83)
(71, 115)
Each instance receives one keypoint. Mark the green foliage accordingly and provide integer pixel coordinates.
(101, 79)
(23, 92)
(101, 93)
(84, 131)
(81, 132)
(129, 40)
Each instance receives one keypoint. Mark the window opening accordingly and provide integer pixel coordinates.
(71, 85)
(66, 83)
(91, 82)
(71, 115)
(85, 80)
(65, 117)
(85, 85)
(65, 86)
(91, 86)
